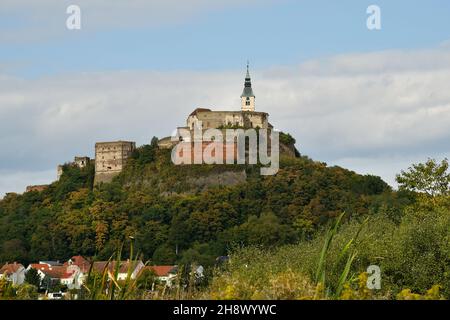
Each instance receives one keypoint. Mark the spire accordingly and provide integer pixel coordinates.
(247, 96)
(248, 72)
(248, 92)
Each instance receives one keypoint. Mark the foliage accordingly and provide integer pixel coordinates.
(273, 227)
(146, 280)
(431, 294)
(169, 212)
(32, 277)
(286, 139)
(430, 177)
(106, 285)
(413, 255)
(6, 289)
(26, 291)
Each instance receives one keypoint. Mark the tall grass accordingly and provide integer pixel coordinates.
(106, 284)
(348, 252)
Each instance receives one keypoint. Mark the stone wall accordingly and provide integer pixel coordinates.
(216, 119)
(38, 188)
(110, 159)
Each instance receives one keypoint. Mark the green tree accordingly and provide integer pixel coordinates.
(265, 230)
(6, 289)
(26, 291)
(430, 177)
(32, 277)
(164, 255)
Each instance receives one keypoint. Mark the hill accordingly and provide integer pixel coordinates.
(181, 213)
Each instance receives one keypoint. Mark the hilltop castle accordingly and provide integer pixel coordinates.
(111, 157)
(246, 118)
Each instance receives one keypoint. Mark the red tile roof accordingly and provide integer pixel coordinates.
(162, 271)
(99, 266)
(80, 262)
(10, 268)
(54, 272)
(39, 266)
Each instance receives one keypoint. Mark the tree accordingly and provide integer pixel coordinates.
(164, 255)
(26, 291)
(6, 289)
(430, 177)
(265, 230)
(32, 277)
(14, 250)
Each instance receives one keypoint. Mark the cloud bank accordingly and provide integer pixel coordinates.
(373, 113)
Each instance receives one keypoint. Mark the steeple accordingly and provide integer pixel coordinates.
(247, 96)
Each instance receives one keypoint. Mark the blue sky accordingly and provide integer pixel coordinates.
(371, 101)
(269, 34)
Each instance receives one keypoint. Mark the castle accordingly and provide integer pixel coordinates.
(111, 157)
(246, 118)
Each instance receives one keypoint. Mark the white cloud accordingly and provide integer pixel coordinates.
(371, 119)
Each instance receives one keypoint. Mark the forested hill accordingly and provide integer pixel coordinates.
(202, 210)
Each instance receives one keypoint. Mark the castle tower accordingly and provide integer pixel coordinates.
(110, 159)
(247, 96)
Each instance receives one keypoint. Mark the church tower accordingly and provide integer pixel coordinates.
(247, 96)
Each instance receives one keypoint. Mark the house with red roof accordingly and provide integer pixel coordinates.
(14, 272)
(164, 274)
(60, 274)
(124, 267)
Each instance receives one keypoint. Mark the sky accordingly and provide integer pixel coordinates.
(373, 101)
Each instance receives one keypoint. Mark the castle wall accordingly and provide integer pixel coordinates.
(110, 159)
(216, 119)
(38, 188)
(80, 162)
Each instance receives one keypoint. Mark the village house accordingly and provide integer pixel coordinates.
(124, 266)
(164, 274)
(73, 272)
(55, 274)
(14, 272)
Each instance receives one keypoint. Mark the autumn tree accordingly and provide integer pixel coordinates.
(432, 178)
